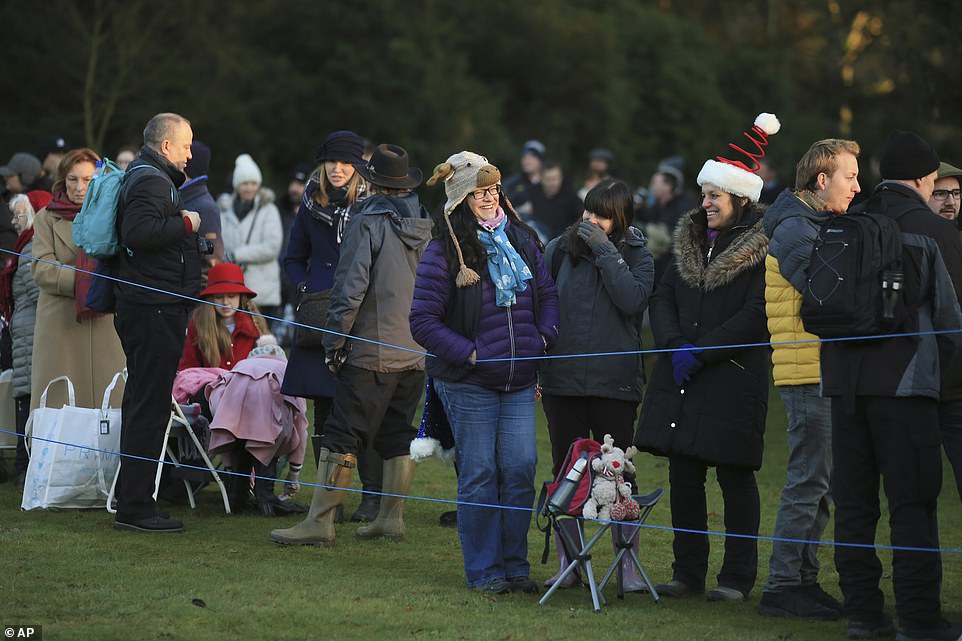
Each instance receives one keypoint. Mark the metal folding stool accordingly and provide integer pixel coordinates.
(579, 552)
(177, 427)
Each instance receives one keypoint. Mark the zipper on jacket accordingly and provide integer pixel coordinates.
(507, 387)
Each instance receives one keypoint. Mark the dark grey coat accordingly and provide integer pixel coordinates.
(602, 300)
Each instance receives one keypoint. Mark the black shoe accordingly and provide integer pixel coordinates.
(676, 588)
(449, 519)
(942, 631)
(861, 627)
(816, 593)
(339, 514)
(154, 523)
(523, 584)
(725, 594)
(494, 586)
(368, 508)
(794, 603)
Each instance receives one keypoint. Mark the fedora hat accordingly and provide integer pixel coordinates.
(388, 167)
(226, 278)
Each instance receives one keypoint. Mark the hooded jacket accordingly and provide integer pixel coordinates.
(923, 365)
(374, 284)
(792, 225)
(602, 302)
(710, 299)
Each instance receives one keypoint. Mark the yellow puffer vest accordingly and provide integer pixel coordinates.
(798, 363)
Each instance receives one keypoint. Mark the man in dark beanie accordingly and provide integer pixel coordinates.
(885, 421)
(197, 197)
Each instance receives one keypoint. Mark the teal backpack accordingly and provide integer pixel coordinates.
(95, 227)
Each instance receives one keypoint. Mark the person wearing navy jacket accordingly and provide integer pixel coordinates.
(486, 308)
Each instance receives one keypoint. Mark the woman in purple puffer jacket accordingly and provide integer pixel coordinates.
(483, 299)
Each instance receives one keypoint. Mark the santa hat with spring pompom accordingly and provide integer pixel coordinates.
(735, 176)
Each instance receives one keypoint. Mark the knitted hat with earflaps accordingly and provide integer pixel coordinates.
(463, 173)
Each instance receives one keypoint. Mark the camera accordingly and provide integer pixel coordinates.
(205, 246)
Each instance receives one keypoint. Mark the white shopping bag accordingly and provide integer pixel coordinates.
(70, 464)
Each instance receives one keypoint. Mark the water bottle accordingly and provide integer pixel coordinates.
(561, 498)
(892, 280)
(98, 170)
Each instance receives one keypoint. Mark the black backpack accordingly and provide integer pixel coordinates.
(853, 285)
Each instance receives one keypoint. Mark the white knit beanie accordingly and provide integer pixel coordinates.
(246, 170)
(735, 177)
(462, 173)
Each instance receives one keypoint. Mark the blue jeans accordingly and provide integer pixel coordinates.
(950, 420)
(804, 510)
(496, 454)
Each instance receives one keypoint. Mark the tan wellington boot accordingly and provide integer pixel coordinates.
(389, 524)
(335, 471)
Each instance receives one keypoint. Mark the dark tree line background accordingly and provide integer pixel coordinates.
(645, 78)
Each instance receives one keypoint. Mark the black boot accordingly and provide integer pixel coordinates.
(370, 467)
(264, 487)
(239, 481)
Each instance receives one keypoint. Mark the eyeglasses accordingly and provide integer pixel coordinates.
(942, 194)
(490, 191)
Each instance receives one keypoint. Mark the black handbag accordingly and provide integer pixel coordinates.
(312, 311)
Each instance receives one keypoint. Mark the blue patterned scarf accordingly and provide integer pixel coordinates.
(508, 270)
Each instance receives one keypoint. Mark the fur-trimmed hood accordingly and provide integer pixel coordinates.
(746, 249)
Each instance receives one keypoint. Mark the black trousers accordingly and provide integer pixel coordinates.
(373, 408)
(689, 511)
(574, 417)
(153, 341)
(899, 439)
(22, 405)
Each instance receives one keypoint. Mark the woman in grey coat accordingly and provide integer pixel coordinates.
(18, 306)
(604, 273)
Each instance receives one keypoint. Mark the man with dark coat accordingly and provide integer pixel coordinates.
(885, 420)
(159, 239)
(197, 197)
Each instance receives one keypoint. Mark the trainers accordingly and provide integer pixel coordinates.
(676, 588)
(870, 627)
(942, 631)
(154, 523)
(794, 603)
(725, 593)
(816, 593)
(494, 586)
(523, 584)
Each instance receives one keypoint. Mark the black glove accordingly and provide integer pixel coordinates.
(595, 237)
(335, 360)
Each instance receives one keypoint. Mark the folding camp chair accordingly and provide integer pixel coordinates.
(179, 432)
(578, 552)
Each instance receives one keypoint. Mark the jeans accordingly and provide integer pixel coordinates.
(496, 455)
(689, 511)
(804, 510)
(950, 420)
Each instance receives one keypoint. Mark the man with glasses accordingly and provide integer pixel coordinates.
(945, 197)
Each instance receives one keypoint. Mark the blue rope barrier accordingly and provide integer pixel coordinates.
(666, 528)
(496, 360)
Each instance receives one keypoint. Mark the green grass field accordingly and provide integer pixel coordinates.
(222, 578)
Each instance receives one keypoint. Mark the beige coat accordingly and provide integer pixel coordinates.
(88, 352)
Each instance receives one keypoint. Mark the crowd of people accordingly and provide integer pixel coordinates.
(508, 271)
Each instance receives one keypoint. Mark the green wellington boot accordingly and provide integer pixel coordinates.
(389, 524)
(335, 471)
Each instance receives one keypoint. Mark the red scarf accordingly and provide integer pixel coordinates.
(6, 276)
(63, 207)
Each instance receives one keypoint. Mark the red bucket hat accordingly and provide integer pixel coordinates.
(226, 278)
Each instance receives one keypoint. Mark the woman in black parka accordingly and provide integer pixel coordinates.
(706, 407)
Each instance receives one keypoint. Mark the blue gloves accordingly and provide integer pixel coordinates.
(685, 363)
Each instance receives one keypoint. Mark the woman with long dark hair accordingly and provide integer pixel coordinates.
(483, 303)
(604, 274)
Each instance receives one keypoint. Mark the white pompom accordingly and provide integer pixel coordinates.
(768, 123)
(424, 448)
